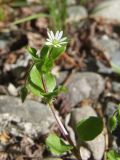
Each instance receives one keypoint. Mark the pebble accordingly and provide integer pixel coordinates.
(116, 87)
(110, 108)
(111, 48)
(12, 90)
(108, 10)
(76, 13)
(61, 77)
(84, 85)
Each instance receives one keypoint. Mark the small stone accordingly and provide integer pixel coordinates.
(76, 13)
(12, 90)
(110, 108)
(82, 86)
(103, 69)
(3, 90)
(111, 49)
(85, 153)
(116, 87)
(108, 10)
(61, 77)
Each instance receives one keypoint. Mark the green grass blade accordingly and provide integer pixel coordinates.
(29, 18)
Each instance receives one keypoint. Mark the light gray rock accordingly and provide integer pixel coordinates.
(116, 87)
(111, 48)
(61, 77)
(84, 85)
(110, 108)
(109, 10)
(76, 13)
(96, 146)
(33, 116)
(12, 90)
(85, 153)
(103, 69)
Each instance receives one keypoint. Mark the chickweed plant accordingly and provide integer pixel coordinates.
(41, 82)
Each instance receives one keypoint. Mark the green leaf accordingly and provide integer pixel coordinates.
(56, 52)
(35, 82)
(32, 52)
(44, 51)
(46, 62)
(115, 68)
(23, 93)
(89, 128)
(56, 145)
(113, 155)
(46, 65)
(50, 81)
(112, 123)
(51, 95)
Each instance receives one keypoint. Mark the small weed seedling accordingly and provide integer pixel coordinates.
(41, 82)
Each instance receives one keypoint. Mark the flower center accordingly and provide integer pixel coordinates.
(55, 42)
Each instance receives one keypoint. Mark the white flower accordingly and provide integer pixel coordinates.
(56, 39)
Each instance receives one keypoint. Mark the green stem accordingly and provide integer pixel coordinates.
(50, 51)
(64, 132)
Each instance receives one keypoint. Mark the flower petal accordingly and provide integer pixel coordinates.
(56, 35)
(49, 35)
(48, 43)
(60, 35)
(62, 43)
(38, 53)
(49, 40)
(63, 39)
(58, 45)
(52, 35)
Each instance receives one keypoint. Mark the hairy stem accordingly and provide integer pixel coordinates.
(64, 132)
